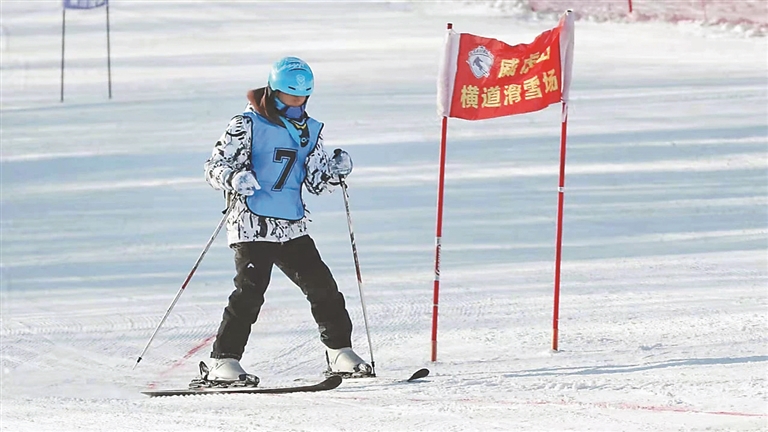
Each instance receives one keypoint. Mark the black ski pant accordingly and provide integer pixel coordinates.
(301, 262)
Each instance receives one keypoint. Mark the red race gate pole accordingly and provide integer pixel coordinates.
(439, 233)
(559, 241)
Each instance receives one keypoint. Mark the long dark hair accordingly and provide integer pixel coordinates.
(263, 101)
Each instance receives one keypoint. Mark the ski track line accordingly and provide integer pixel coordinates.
(298, 347)
(204, 343)
(608, 405)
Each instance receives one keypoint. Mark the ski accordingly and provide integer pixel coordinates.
(415, 377)
(329, 383)
(419, 374)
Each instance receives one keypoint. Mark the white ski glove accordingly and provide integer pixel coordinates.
(244, 183)
(340, 164)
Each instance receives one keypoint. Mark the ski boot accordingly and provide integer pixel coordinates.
(224, 373)
(344, 362)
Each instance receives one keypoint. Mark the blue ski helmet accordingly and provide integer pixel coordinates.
(292, 75)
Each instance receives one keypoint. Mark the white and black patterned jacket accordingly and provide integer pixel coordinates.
(230, 155)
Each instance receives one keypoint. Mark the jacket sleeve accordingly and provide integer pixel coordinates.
(230, 154)
(319, 179)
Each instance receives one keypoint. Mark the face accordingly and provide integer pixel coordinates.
(291, 100)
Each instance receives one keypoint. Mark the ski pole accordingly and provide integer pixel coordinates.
(357, 271)
(189, 276)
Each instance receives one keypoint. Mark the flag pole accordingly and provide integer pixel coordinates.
(566, 63)
(439, 233)
(63, 27)
(439, 224)
(559, 241)
(109, 57)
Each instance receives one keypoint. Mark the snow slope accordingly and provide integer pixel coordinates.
(664, 306)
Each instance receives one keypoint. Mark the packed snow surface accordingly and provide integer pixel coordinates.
(664, 304)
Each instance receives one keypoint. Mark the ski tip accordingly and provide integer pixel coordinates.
(421, 373)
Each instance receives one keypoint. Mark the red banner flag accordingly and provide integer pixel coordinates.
(483, 78)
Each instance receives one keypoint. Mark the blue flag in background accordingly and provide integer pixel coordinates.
(84, 4)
